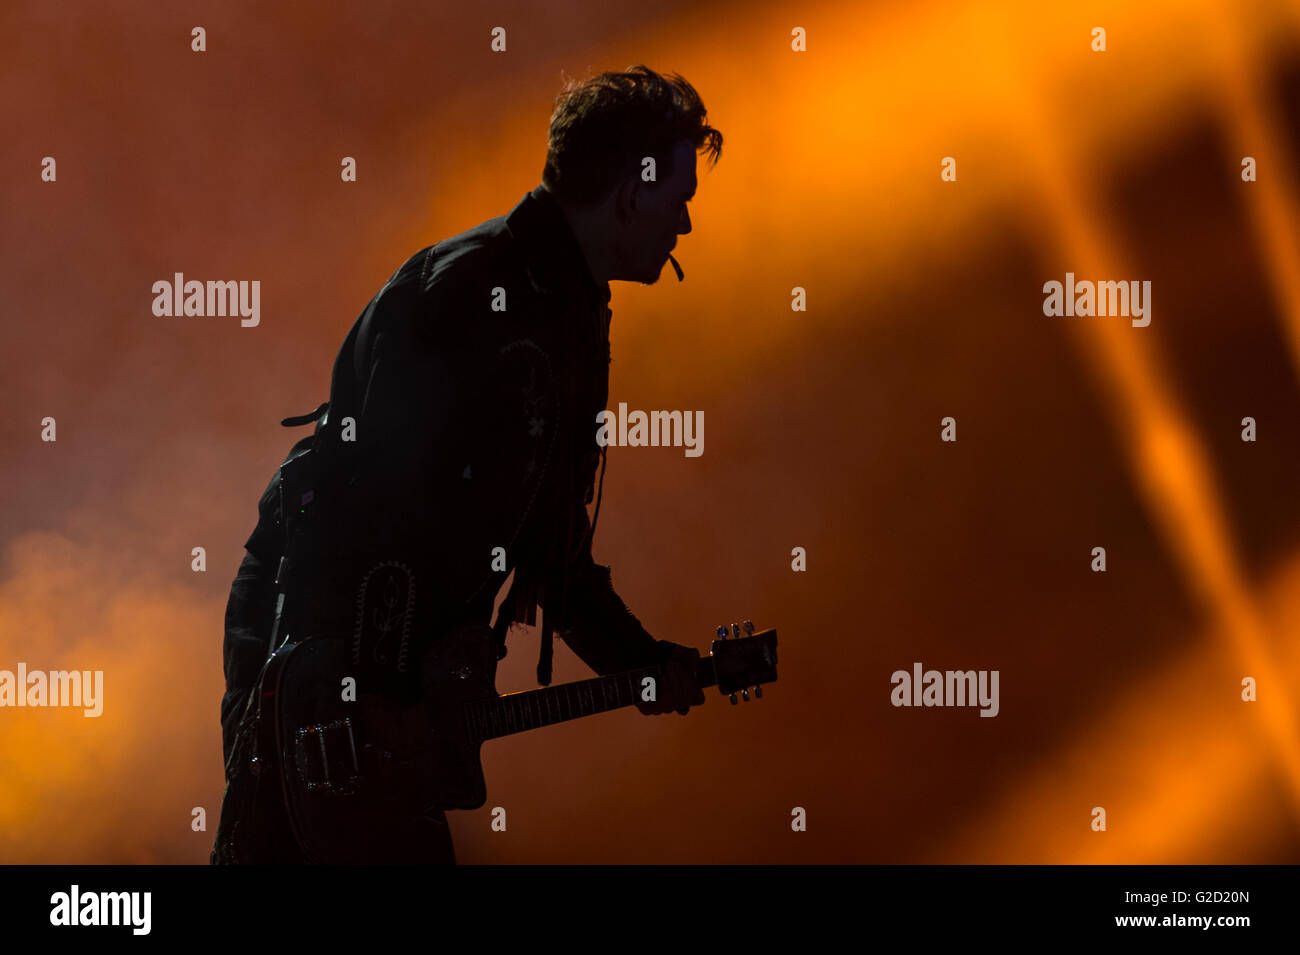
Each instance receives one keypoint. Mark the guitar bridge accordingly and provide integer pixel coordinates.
(325, 755)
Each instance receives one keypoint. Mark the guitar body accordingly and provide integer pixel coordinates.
(352, 769)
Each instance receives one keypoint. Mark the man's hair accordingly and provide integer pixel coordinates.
(604, 126)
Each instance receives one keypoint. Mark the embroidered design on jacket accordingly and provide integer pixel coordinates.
(385, 602)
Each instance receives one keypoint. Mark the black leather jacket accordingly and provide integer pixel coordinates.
(472, 381)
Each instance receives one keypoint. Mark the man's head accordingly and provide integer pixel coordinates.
(602, 132)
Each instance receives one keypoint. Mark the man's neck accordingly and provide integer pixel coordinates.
(587, 228)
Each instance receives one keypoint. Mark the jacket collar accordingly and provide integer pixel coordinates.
(553, 257)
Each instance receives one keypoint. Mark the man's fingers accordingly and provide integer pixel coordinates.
(680, 690)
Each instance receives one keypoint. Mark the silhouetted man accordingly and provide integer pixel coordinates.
(461, 429)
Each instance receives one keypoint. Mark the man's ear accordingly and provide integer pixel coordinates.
(628, 198)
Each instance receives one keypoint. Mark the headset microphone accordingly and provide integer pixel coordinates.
(677, 268)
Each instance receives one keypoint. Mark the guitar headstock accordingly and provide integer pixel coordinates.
(744, 661)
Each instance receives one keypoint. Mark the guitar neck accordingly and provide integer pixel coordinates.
(528, 709)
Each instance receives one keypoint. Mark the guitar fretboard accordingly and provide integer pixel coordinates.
(529, 709)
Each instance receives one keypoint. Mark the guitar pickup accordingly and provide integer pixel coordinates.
(325, 755)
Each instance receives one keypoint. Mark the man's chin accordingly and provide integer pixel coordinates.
(653, 278)
(651, 275)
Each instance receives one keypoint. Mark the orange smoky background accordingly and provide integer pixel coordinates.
(924, 300)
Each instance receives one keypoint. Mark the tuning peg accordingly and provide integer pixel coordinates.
(744, 694)
(733, 699)
(722, 632)
(758, 692)
(749, 628)
(735, 630)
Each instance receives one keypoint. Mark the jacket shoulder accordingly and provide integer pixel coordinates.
(458, 279)
(452, 267)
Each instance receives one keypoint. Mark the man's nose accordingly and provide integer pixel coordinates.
(684, 226)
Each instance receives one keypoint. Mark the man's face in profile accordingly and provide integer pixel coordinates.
(661, 216)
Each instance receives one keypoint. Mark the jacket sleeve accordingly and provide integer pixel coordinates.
(248, 632)
(250, 611)
(601, 630)
(524, 476)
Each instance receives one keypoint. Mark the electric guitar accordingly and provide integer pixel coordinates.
(344, 762)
